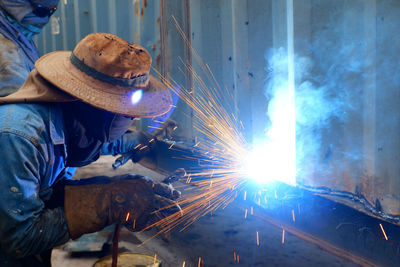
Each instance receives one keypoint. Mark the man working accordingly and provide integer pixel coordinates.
(73, 107)
(20, 20)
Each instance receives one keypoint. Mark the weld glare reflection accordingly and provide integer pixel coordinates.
(136, 96)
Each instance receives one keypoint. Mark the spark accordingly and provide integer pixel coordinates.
(283, 236)
(234, 255)
(155, 259)
(258, 240)
(241, 124)
(251, 210)
(143, 147)
(188, 179)
(293, 218)
(199, 262)
(244, 197)
(219, 175)
(175, 127)
(383, 231)
(138, 145)
(183, 264)
(154, 127)
(127, 217)
(151, 140)
(245, 214)
(237, 258)
(171, 145)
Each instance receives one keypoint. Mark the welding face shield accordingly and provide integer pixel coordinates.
(30, 13)
(88, 128)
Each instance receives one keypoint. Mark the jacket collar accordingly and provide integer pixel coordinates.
(56, 124)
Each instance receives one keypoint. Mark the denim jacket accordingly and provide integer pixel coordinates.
(32, 159)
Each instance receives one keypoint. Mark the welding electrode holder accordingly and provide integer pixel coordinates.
(146, 148)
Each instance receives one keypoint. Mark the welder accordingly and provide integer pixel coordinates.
(20, 21)
(75, 106)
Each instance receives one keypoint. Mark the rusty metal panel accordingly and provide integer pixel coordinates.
(231, 38)
(136, 21)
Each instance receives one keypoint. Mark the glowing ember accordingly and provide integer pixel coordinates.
(258, 239)
(383, 231)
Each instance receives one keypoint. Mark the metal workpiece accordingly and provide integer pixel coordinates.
(334, 227)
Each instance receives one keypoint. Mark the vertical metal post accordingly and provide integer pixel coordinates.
(173, 49)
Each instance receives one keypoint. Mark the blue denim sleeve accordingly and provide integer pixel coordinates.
(26, 226)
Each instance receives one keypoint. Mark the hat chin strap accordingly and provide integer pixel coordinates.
(137, 82)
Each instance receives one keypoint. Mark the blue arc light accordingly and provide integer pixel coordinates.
(136, 96)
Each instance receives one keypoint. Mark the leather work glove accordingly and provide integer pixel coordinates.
(91, 204)
(135, 146)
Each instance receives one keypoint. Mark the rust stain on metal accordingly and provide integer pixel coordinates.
(136, 8)
(158, 60)
(145, 3)
(141, 11)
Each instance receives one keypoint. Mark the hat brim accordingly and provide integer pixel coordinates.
(56, 68)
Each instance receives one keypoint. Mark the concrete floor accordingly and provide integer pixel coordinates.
(215, 239)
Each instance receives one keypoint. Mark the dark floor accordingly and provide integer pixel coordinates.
(214, 240)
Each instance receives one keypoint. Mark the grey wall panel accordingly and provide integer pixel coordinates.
(133, 20)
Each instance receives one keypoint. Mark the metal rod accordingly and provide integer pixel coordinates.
(115, 245)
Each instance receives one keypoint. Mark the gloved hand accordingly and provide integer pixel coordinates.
(94, 203)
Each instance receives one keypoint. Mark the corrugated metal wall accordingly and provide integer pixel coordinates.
(345, 53)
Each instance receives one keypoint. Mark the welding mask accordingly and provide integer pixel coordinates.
(88, 128)
(31, 14)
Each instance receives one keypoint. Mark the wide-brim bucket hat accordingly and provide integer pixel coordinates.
(107, 72)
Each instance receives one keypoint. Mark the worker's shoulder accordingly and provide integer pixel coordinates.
(8, 51)
(27, 120)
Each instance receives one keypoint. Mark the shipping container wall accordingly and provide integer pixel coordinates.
(348, 63)
(339, 58)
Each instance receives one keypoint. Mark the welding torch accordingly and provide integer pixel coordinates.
(138, 152)
(121, 160)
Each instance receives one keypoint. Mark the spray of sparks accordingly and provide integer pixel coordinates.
(218, 178)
